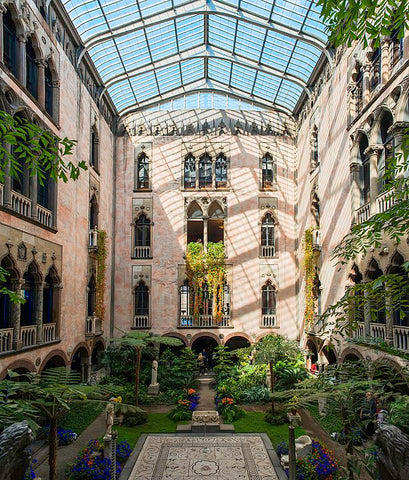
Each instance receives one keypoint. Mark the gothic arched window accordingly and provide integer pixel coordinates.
(141, 304)
(387, 153)
(315, 159)
(376, 68)
(49, 92)
(268, 299)
(142, 237)
(205, 171)
(189, 171)
(92, 296)
(143, 172)
(51, 297)
(94, 154)
(32, 70)
(30, 292)
(10, 43)
(268, 241)
(364, 171)
(221, 170)
(377, 305)
(268, 172)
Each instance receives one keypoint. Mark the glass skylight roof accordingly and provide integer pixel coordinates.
(149, 52)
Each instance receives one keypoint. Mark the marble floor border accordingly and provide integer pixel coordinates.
(126, 472)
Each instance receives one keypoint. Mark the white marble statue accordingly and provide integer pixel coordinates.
(154, 380)
(109, 417)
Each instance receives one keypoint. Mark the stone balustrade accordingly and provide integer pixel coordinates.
(49, 332)
(268, 251)
(268, 320)
(93, 239)
(28, 335)
(384, 201)
(359, 332)
(378, 331)
(93, 326)
(141, 321)
(6, 340)
(363, 213)
(20, 204)
(401, 338)
(142, 252)
(204, 321)
(44, 216)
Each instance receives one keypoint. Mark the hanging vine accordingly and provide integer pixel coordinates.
(309, 273)
(101, 274)
(206, 267)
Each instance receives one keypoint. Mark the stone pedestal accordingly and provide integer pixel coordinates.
(153, 389)
(108, 446)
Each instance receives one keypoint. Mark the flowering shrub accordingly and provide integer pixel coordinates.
(91, 465)
(226, 406)
(64, 436)
(282, 448)
(319, 465)
(187, 403)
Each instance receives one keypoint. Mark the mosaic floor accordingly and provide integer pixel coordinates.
(234, 457)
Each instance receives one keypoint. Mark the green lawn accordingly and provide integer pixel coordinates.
(157, 423)
(81, 415)
(254, 422)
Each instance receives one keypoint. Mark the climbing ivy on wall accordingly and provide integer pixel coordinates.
(101, 274)
(308, 264)
(206, 267)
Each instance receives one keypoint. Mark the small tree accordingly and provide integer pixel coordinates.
(140, 341)
(274, 348)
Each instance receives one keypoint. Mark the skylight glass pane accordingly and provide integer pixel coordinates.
(221, 31)
(259, 7)
(189, 31)
(266, 86)
(277, 51)
(168, 78)
(119, 12)
(243, 78)
(149, 7)
(192, 70)
(219, 70)
(144, 86)
(192, 101)
(249, 40)
(178, 103)
(220, 101)
(162, 40)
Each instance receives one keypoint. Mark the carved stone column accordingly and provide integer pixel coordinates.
(15, 314)
(22, 61)
(205, 221)
(374, 151)
(385, 59)
(3, 10)
(213, 173)
(366, 83)
(197, 173)
(397, 130)
(56, 103)
(354, 168)
(41, 64)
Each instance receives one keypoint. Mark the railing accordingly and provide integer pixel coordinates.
(93, 326)
(48, 332)
(363, 213)
(28, 336)
(20, 204)
(93, 239)
(359, 332)
(141, 321)
(401, 338)
(44, 216)
(268, 320)
(384, 201)
(6, 340)
(378, 330)
(203, 321)
(142, 252)
(268, 251)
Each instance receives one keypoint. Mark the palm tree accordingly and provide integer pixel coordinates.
(274, 348)
(139, 341)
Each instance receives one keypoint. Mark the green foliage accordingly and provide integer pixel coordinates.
(330, 421)
(81, 415)
(120, 360)
(132, 415)
(177, 371)
(102, 253)
(399, 413)
(288, 374)
(231, 413)
(223, 363)
(363, 21)
(309, 274)
(180, 412)
(279, 417)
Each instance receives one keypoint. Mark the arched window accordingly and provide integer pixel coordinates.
(359, 312)
(376, 68)
(20, 182)
(143, 172)
(377, 306)
(205, 171)
(43, 192)
(49, 92)
(93, 213)
(32, 72)
(221, 170)
(141, 300)
(215, 223)
(94, 156)
(92, 296)
(400, 309)
(28, 309)
(315, 160)
(142, 237)
(387, 153)
(189, 171)
(10, 43)
(51, 297)
(5, 303)
(267, 171)
(268, 242)
(364, 171)
(268, 299)
(195, 224)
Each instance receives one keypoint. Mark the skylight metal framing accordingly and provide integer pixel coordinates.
(143, 48)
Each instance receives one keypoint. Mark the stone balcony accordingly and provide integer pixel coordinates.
(24, 206)
(378, 332)
(141, 321)
(93, 326)
(204, 321)
(268, 320)
(383, 202)
(29, 336)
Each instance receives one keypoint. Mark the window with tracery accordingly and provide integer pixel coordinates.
(315, 159)
(376, 68)
(94, 155)
(268, 240)
(221, 171)
(142, 237)
(268, 299)
(387, 152)
(364, 171)
(10, 44)
(32, 69)
(143, 180)
(205, 171)
(141, 300)
(189, 171)
(268, 171)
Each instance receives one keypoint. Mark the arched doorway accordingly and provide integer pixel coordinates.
(80, 363)
(233, 343)
(204, 343)
(54, 362)
(351, 357)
